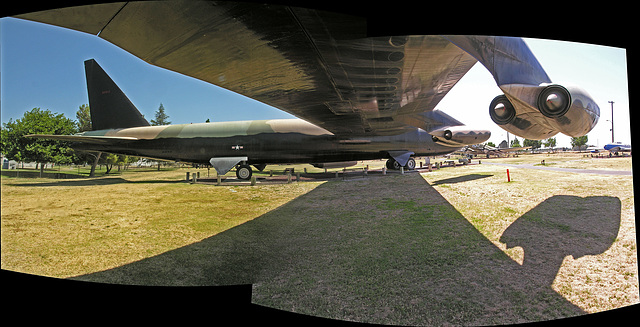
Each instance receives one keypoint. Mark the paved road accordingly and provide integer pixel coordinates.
(570, 170)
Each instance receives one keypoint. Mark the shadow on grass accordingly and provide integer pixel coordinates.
(37, 174)
(391, 251)
(95, 181)
(460, 179)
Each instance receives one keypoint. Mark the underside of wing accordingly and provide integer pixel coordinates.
(318, 66)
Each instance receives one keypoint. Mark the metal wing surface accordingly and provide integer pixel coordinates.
(85, 139)
(316, 65)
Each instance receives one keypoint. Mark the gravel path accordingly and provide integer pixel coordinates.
(570, 170)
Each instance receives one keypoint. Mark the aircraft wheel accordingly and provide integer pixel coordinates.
(244, 172)
(389, 163)
(395, 165)
(411, 164)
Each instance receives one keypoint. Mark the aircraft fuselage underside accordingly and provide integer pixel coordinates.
(277, 148)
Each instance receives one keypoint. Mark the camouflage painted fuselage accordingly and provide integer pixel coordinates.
(262, 141)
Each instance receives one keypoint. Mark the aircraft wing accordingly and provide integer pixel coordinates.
(85, 139)
(319, 66)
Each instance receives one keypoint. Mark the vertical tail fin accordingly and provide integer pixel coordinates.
(110, 108)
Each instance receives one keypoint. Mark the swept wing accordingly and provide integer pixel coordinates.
(322, 67)
(318, 66)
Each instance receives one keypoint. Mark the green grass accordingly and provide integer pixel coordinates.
(87, 225)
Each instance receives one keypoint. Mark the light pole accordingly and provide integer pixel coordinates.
(611, 121)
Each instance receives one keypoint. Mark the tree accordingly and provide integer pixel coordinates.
(37, 121)
(579, 141)
(83, 115)
(550, 142)
(534, 144)
(515, 143)
(110, 160)
(161, 117)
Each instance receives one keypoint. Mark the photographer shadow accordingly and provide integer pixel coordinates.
(561, 226)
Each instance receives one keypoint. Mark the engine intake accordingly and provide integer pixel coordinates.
(554, 101)
(501, 110)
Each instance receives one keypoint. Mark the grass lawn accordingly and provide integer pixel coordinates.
(455, 246)
(70, 227)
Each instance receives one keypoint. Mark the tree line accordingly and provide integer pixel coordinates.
(578, 142)
(15, 146)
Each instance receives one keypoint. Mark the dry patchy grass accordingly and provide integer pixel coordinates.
(63, 228)
(594, 282)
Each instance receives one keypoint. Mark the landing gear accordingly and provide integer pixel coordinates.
(393, 164)
(244, 171)
(411, 164)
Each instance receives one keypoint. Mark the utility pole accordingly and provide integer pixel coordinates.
(611, 121)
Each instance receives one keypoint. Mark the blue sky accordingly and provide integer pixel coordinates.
(43, 66)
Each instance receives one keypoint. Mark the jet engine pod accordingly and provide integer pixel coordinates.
(570, 109)
(520, 120)
(538, 112)
(501, 110)
(554, 101)
(458, 136)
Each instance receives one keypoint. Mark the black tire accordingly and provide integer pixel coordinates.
(390, 163)
(411, 164)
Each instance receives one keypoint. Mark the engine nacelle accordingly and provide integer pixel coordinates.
(539, 112)
(458, 136)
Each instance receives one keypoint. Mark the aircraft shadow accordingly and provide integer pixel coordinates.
(390, 257)
(460, 179)
(95, 181)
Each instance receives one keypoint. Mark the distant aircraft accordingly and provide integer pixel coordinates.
(594, 149)
(617, 147)
(490, 150)
(358, 97)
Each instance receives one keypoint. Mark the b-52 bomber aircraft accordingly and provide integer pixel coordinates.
(358, 97)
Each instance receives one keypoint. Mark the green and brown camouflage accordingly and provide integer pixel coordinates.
(215, 129)
(121, 129)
